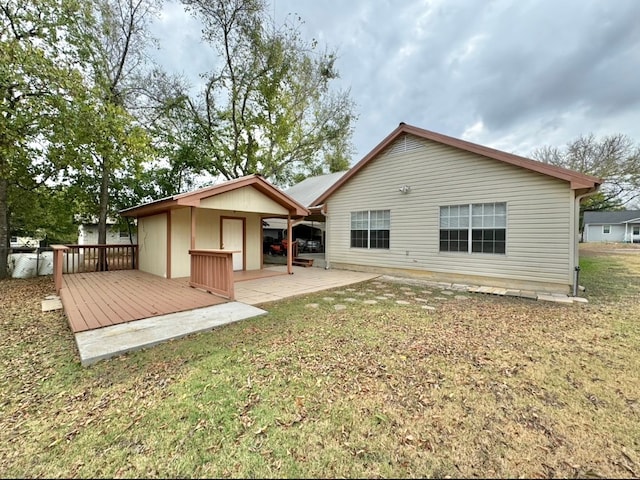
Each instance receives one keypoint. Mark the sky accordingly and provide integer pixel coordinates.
(514, 75)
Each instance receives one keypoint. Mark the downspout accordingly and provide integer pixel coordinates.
(576, 245)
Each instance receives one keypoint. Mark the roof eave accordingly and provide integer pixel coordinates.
(152, 208)
(576, 180)
(193, 199)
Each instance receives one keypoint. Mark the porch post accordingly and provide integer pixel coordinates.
(289, 246)
(57, 266)
(626, 234)
(193, 228)
(168, 272)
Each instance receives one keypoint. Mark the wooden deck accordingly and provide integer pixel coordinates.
(99, 299)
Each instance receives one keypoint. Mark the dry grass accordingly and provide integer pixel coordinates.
(481, 387)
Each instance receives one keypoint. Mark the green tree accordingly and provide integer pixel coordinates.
(267, 106)
(111, 143)
(45, 212)
(40, 48)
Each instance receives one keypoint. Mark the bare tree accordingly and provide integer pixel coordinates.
(614, 158)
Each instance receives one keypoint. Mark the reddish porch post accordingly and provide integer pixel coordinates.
(193, 228)
(57, 266)
(168, 244)
(289, 246)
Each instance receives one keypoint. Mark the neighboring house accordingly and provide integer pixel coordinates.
(88, 234)
(228, 216)
(429, 205)
(622, 226)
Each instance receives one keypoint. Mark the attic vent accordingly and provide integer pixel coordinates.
(404, 144)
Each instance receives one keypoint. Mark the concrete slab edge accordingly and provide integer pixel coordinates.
(93, 346)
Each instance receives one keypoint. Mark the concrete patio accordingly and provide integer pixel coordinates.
(302, 281)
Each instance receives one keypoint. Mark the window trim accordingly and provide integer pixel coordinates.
(470, 228)
(606, 229)
(634, 229)
(369, 229)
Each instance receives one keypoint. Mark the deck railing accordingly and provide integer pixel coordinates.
(92, 258)
(212, 270)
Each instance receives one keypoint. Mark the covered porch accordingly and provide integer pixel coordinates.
(210, 232)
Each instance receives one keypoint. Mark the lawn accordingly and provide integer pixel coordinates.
(481, 386)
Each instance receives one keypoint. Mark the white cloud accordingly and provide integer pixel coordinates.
(511, 74)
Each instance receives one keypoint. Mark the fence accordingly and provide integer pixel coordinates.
(92, 258)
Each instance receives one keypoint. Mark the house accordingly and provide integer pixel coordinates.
(622, 226)
(429, 205)
(88, 233)
(224, 218)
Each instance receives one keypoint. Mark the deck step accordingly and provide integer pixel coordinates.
(303, 262)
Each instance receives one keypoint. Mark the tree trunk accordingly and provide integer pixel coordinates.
(4, 228)
(103, 263)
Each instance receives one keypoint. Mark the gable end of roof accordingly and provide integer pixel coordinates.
(576, 180)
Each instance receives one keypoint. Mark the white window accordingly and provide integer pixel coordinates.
(484, 231)
(370, 229)
(606, 229)
(636, 229)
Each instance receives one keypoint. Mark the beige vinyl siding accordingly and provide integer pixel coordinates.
(539, 212)
(253, 234)
(152, 244)
(207, 228)
(244, 200)
(180, 242)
